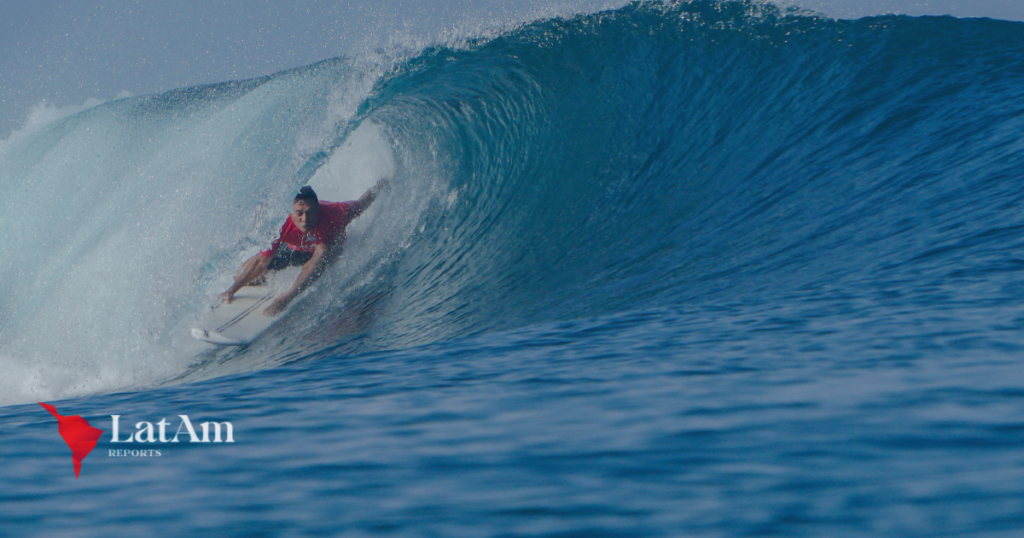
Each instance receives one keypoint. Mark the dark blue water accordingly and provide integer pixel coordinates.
(707, 269)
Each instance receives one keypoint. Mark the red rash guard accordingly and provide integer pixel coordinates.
(329, 230)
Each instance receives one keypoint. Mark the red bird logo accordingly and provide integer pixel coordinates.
(77, 433)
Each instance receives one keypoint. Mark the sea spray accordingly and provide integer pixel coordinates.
(660, 154)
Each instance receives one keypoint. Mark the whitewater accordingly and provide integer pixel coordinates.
(701, 269)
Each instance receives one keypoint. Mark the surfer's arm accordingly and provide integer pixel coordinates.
(311, 270)
(252, 269)
(369, 196)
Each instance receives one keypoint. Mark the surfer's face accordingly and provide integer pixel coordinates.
(305, 216)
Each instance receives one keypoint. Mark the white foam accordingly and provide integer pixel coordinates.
(357, 165)
(143, 217)
(45, 113)
(46, 381)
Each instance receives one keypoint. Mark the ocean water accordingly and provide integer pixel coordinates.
(675, 269)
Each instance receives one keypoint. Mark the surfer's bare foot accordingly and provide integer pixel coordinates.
(227, 297)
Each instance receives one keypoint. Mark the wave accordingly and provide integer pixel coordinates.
(661, 154)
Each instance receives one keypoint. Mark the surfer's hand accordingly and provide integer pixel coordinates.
(277, 306)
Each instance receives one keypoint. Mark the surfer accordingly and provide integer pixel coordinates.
(311, 237)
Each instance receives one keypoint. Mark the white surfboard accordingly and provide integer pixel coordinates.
(240, 322)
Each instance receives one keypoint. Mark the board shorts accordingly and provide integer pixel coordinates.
(286, 256)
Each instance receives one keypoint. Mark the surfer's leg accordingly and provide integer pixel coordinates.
(282, 258)
(254, 271)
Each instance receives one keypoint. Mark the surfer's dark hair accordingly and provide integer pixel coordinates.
(307, 195)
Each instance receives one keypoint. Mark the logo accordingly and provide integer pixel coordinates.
(82, 438)
(144, 431)
(77, 433)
